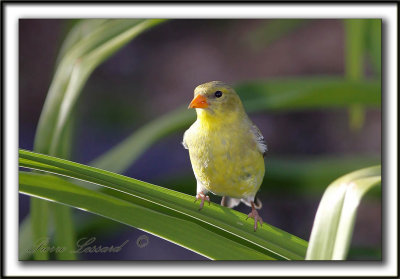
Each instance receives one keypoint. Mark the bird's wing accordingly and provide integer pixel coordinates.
(261, 144)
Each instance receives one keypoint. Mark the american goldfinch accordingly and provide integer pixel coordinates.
(226, 149)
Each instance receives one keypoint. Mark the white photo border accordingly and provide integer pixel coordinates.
(13, 11)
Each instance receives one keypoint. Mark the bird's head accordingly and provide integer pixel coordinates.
(216, 98)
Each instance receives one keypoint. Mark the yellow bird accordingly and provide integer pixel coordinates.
(226, 149)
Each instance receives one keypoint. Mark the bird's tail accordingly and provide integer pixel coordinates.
(229, 202)
(232, 202)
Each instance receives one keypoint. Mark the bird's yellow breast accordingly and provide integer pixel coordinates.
(225, 158)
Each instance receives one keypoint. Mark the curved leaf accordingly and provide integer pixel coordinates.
(334, 221)
(222, 226)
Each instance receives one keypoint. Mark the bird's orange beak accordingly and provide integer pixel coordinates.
(199, 102)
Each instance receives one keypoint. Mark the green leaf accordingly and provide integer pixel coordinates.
(374, 44)
(73, 71)
(81, 29)
(299, 176)
(216, 232)
(355, 47)
(334, 222)
(296, 94)
(39, 218)
(355, 30)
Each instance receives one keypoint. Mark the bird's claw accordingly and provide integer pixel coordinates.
(254, 214)
(203, 197)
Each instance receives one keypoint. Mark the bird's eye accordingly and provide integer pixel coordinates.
(218, 94)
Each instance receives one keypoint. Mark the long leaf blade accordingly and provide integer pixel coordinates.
(191, 235)
(222, 221)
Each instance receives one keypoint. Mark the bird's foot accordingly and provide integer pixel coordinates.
(200, 195)
(254, 214)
